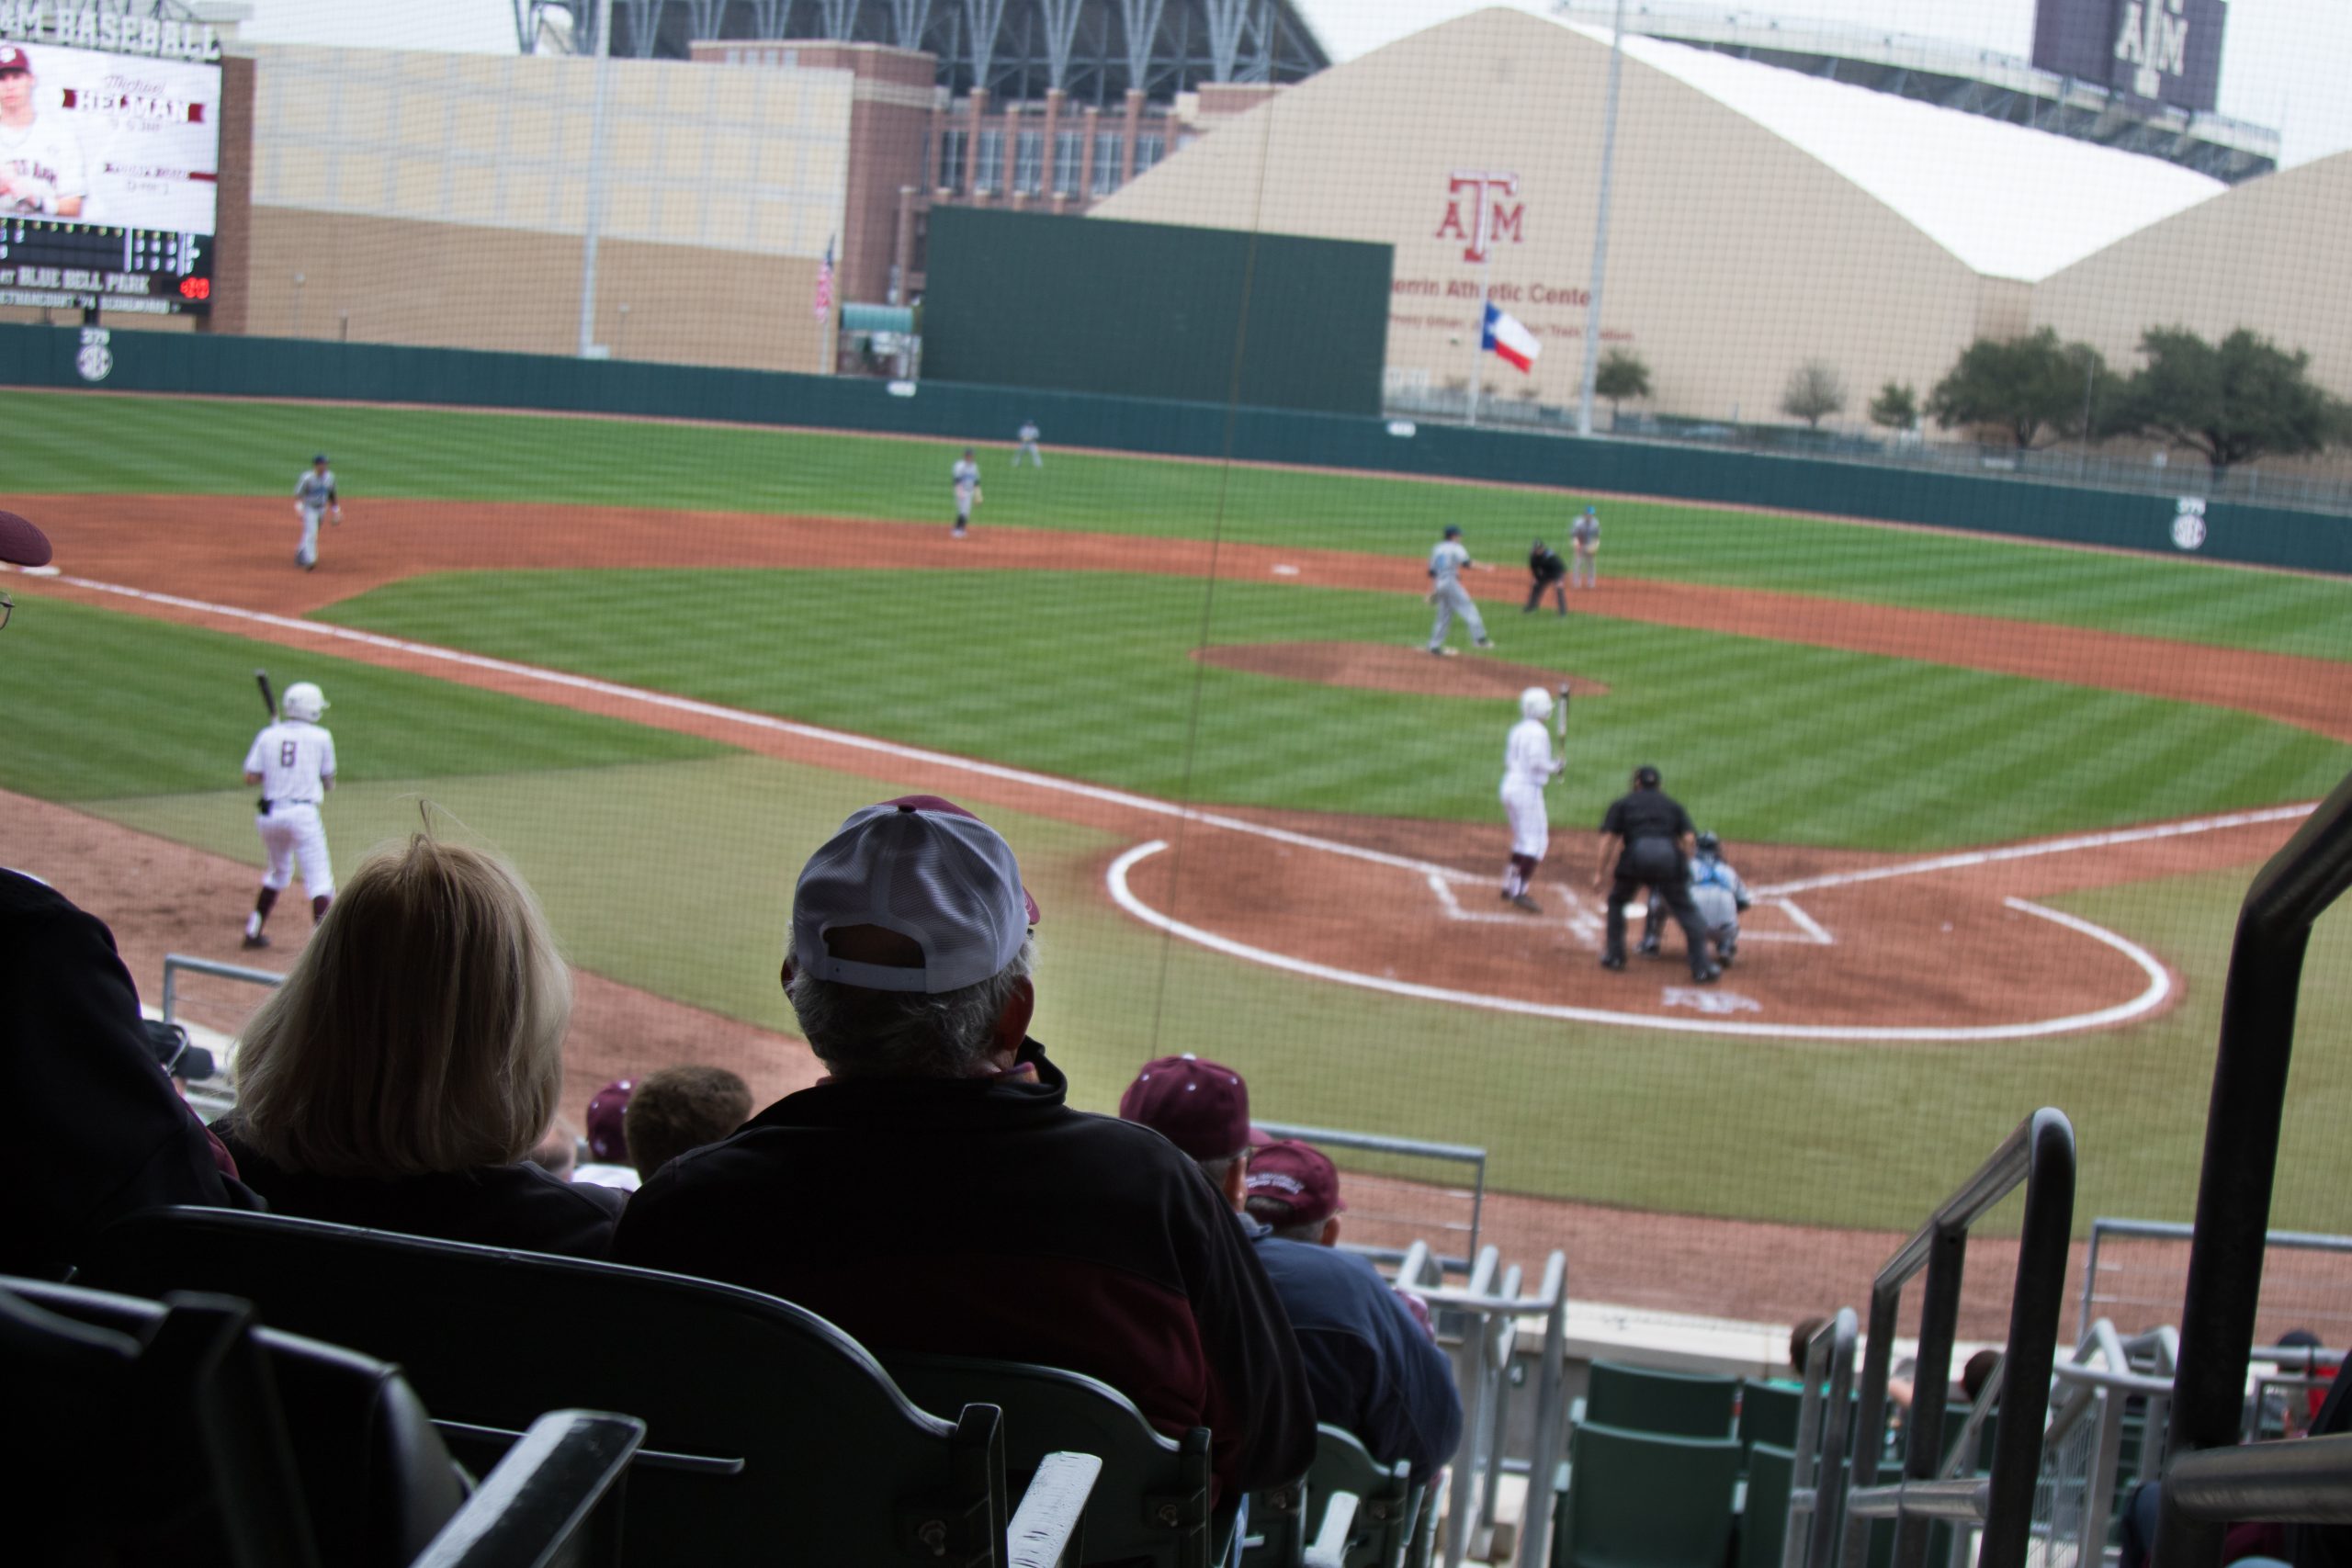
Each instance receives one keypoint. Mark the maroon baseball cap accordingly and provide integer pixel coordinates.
(606, 1141)
(21, 544)
(1298, 1175)
(13, 59)
(1200, 1107)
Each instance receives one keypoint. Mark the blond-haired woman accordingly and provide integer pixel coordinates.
(414, 1058)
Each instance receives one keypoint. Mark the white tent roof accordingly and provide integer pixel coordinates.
(2008, 201)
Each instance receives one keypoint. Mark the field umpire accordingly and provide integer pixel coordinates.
(1546, 570)
(1645, 839)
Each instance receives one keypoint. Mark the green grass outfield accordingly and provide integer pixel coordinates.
(1088, 675)
(207, 447)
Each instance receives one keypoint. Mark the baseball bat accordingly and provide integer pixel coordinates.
(268, 697)
(1560, 716)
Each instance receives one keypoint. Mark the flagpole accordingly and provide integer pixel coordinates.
(1479, 337)
(591, 227)
(1600, 230)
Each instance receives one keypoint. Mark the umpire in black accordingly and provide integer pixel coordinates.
(1548, 570)
(1645, 839)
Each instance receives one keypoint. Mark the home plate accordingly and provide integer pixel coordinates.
(1708, 999)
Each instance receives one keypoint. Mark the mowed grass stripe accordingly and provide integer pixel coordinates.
(69, 443)
(1091, 675)
(103, 705)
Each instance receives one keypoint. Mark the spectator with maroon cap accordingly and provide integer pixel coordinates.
(1370, 1365)
(937, 1193)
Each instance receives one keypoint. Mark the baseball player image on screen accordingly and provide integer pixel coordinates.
(965, 477)
(1447, 562)
(314, 492)
(1528, 766)
(1716, 892)
(41, 169)
(293, 760)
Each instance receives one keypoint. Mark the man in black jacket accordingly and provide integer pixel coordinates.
(937, 1194)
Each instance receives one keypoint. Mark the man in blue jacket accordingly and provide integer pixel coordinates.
(1371, 1367)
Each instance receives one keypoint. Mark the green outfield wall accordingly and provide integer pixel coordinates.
(204, 365)
(1153, 310)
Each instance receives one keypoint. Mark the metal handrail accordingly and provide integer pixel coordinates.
(1415, 1148)
(2039, 1156)
(2242, 1123)
(177, 963)
(1817, 1478)
(2302, 1483)
(2104, 1227)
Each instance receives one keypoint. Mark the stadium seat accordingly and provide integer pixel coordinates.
(1768, 1414)
(1764, 1518)
(1645, 1500)
(1150, 1503)
(1386, 1504)
(1681, 1405)
(181, 1432)
(766, 1424)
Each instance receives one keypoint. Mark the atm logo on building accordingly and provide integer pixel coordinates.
(1483, 210)
(2154, 40)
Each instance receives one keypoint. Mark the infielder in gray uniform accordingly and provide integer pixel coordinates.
(1584, 539)
(1446, 565)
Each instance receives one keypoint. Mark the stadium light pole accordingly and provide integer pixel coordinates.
(595, 220)
(1601, 228)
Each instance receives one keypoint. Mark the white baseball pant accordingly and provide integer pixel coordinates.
(1452, 599)
(307, 552)
(1531, 826)
(294, 831)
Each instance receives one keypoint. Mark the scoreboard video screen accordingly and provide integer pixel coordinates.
(110, 175)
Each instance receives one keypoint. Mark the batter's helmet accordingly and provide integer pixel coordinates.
(303, 700)
(1535, 703)
(1708, 844)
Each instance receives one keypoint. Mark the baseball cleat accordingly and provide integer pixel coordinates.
(1707, 976)
(1446, 652)
(259, 940)
(1612, 961)
(1524, 902)
(1484, 643)
(1648, 949)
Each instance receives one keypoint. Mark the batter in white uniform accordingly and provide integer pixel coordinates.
(313, 493)
(967, 476)
(1528, 766)
(1447, 562)
(293, 760)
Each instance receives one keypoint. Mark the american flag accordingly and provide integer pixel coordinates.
(824, 308)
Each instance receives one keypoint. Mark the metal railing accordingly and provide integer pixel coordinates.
(178, 964)
(2105, 1230)
(2039, 1156)
(2084, 1464)
(1416, 1148)
(2242, 1123)
(1817, 1480)
(1494, 1310)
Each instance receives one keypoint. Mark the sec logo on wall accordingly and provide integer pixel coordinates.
(94, 360)
(2188, 522)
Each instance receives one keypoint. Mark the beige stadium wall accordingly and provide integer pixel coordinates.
(2269, 254)
(1733, 257)
(442, 198)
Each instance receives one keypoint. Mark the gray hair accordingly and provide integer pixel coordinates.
(860, 1033)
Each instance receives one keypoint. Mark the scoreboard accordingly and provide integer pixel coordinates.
(88, 265)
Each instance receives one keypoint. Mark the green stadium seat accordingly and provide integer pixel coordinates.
(183, 1432)
(1151, 1503)
(1386, 1504)
(1681, 1405)
(1764, 1518)
(1646, 1500)
(768, 1430)
(1768, 1414)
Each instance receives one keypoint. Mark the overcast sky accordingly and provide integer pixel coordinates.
(2285, 63)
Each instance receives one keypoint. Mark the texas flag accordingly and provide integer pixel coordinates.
(1508, 337)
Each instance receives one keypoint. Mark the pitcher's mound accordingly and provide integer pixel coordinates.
(1380, 667)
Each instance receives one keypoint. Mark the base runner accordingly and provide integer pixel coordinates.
(1528, 767)
(293, 760)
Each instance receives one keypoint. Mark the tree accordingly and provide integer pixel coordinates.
(2234, 402)
(1813, 393)
(2031, 387)
(1621, 375)
(1896, 407)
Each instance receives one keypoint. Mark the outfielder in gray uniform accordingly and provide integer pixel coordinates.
(1584, 540)
(1446, 565)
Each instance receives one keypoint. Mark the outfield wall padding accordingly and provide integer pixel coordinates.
(206, 365)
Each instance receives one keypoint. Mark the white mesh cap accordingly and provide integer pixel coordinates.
(929, 871)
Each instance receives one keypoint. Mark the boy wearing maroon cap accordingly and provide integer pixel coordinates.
(937, 1194)
(1370, 1366)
